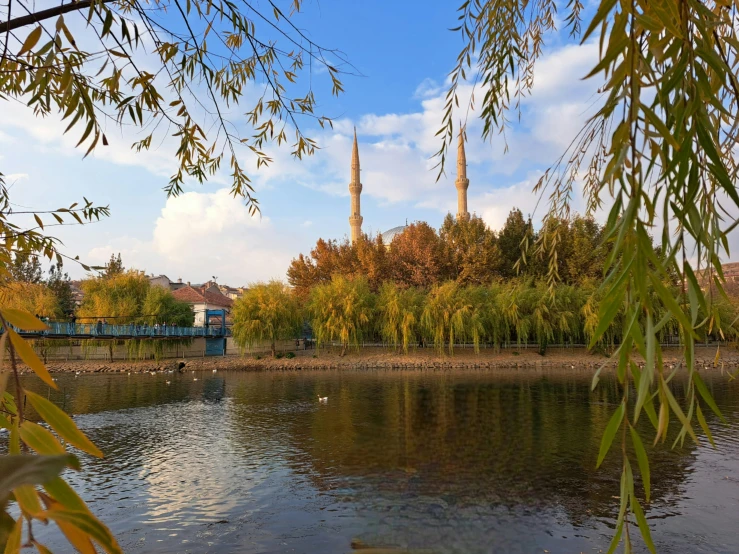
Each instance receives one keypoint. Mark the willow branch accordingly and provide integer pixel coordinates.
(37, 17)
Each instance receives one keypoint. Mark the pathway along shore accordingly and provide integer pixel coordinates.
(376, 358)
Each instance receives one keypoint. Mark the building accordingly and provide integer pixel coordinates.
(205, 297)
(78, 294)
(165, 282)
(462, 183)
(355, 189)
(234, 293)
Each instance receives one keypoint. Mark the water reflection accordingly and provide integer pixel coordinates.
(477, 462)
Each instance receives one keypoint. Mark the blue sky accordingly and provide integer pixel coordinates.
(404, 52)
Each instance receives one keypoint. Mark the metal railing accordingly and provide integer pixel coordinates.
(104, 330)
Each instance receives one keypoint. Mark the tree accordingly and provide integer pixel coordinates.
(102, 81)
(29, 297)
(509, 242)
(160, 306)
(450, 315)
(266, 312)
(341, 310)
(59, 285)
(114, 266)
(473, 249)
(659, 152)
(399, 314)
(184, 81)
(26, 268)
(417, 257)
(118, 297)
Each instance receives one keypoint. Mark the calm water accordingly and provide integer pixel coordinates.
(471, 463)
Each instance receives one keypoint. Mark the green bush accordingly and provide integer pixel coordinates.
(279, 355)
(290, 355)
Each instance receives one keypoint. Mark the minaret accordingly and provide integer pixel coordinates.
(462, 182)
(355, 189)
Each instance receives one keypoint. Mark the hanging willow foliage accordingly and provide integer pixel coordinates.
(659, 154)
(171, 68)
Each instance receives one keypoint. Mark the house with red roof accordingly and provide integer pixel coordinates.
(205, 297)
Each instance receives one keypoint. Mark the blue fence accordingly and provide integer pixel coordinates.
(61, 329)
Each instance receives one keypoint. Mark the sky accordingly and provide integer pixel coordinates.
(402, 52)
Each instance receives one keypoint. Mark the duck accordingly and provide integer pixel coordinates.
(168, 382)
(77, 372)
(322, 399)
(152, 373)
(215, 371)
(194, 378)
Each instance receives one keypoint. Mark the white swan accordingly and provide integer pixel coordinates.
(322, 399)
(168, 382)
(194, 378)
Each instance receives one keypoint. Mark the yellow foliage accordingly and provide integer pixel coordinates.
(29, 297)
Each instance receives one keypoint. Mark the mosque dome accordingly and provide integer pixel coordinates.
(388, 236)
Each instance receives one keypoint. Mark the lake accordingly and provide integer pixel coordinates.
(473, 462)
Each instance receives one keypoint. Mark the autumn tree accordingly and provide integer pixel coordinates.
(266, 312)
(473, 249)
(418, 257)
(372, 260)
(34, 298)
(119, 297)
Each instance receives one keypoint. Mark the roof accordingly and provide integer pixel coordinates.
(388, 236)
(195, 296)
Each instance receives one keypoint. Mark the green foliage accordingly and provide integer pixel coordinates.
(114, 267)
(341, 310)
(658, 153)
(23, 474)
(59, 285)
(473, 249)
(26, 268)
(160, 306)
(129, 297)
(266, 312)
(290, 355)
(451, 315)
(399, 314)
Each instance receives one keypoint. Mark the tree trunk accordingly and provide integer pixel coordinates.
(274, 351)
(343, 350)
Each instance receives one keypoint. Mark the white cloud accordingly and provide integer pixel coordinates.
(13, 177)
(202, 234)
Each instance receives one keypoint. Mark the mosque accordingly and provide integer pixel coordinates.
(355, 189)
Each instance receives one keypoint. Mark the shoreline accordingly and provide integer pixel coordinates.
(386, 359)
